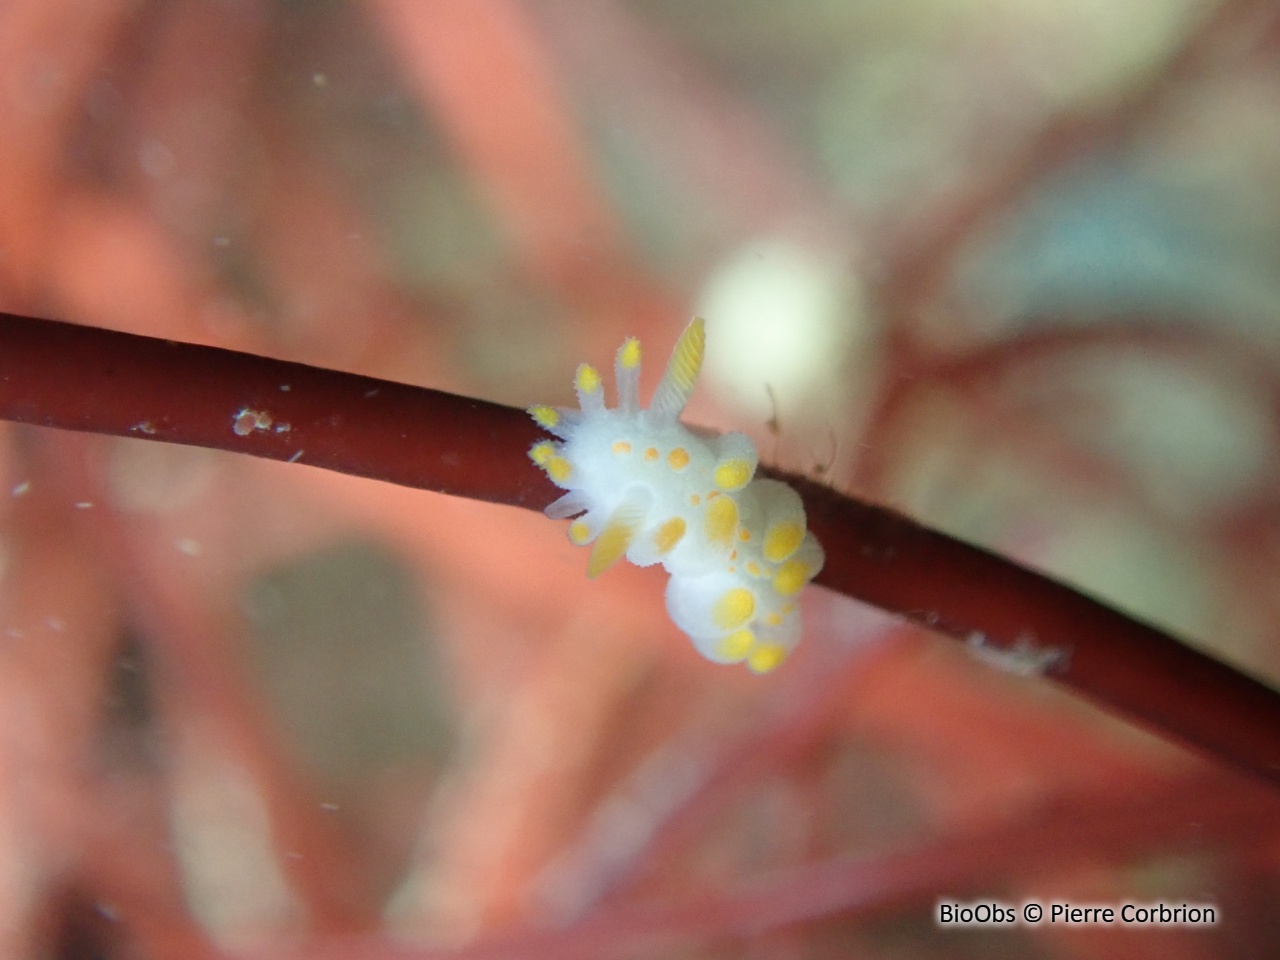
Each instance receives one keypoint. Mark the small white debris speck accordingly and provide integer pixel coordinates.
(145, 426)
(107, 910)
(1023, 658)
(246, 421)
(22, 489)
(283, 427)
(329, 806)
(296, 457)
(57, 624)
(319, 79)
(372, 393)
(222, 241)
(188, 546)
(155, 159)
(84, 504)
(284, 388)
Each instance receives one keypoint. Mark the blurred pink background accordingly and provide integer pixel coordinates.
(1009, 267)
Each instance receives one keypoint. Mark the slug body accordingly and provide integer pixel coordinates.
(643, 486)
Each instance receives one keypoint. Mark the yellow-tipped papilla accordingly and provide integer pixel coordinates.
(540, 453)
(627, 373)
(589, 389)
(559, 470)
(545, 416)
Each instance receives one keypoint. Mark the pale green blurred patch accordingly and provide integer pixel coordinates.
(342, 652)
(1196, 440)
(976, 480)
(924, 86)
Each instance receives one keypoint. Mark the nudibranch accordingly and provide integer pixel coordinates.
(642, 485)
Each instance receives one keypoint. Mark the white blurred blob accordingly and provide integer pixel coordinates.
(781, 317)
(1022, 658)
(224, 844)
(147, 477)
(155, 159)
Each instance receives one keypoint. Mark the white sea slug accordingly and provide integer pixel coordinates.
(643, 485)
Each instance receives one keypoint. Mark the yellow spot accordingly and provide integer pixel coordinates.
(559, 470)
(744, 535)
(734, 555)
(753, 568)
(782, 540)
(588, 379)
(621, 448)
(610, 546)
(541, 453)
(722, 521)
(669, 534)
(765, 657)
(694, 499)
(629, 355)
(579, 533)
(733, 569)
(773, 620)
(678, 458)
(736, 645)
(734, 609)
(546, 417)
(788, 608)
(733, 474)
(791, 577)
(651, 453)
(713, 494)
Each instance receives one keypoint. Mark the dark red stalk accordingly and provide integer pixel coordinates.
(80, 378)
(102, 381)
